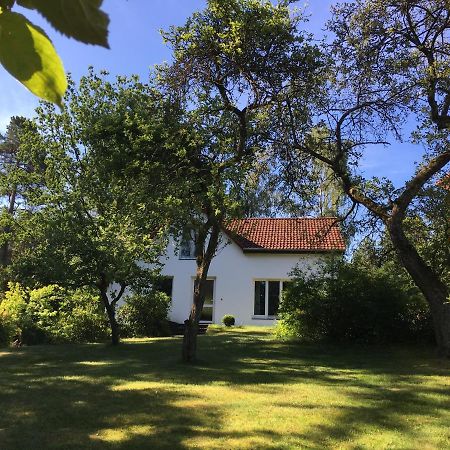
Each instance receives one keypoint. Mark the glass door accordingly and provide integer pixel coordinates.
(207, 313)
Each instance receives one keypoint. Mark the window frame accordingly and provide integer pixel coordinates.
(266, 315)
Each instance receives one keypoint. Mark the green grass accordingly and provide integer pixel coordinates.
(247, 392)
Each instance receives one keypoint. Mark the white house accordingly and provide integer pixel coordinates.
(248, 273)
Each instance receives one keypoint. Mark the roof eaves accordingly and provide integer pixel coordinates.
(292, 251)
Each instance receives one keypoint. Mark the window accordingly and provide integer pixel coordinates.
(273, 298)
(164, 284)
(267, 297)
(208, 306)
(260, 298)
(187, 249)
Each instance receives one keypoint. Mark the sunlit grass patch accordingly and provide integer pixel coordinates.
(118, 435)
(94, 363)
(141, 386)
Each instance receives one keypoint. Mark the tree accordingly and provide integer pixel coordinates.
(27, 53)
(429, 227)
(268, 190)
(8, 152)
(260, 193)
(388, 65)
(93, 227)
(227, 60)
(14, 175)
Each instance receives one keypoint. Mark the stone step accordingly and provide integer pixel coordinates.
(177, 329)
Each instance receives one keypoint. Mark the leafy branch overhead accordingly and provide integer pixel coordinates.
(28, 54)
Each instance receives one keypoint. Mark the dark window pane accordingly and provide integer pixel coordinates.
(209, 293)
(206, 315)
(164, 284)
(274, 297)
(186, 248)
(260, 298)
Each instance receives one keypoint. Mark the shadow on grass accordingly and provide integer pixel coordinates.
(69, 400)
(135, 396)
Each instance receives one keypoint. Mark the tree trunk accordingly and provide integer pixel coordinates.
(5, 249)
(111, 311)
(189, 350)
(203, 259)
(435, 291)
(5, 260)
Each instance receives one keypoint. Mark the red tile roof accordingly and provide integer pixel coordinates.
(296, 235)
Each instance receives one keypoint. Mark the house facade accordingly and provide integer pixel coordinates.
(251, 268)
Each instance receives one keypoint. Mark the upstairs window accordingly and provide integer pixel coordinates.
(187, 248)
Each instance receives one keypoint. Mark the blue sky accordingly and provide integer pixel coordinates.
(136, 45)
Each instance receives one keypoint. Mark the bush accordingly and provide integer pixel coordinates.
(6, 332)
(228, 320)
(347, 303)
(13, 315)
(32, 334)
(81, 318)
(144, 315)
(52, 314)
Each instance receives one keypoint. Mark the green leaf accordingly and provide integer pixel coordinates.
(82, 20)
(28, 55)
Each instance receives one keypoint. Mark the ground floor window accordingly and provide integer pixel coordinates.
(208, 307)
(164, 284)
(267, 297)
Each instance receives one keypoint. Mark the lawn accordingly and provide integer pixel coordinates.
(247, 392)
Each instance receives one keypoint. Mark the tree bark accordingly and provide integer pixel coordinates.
(434, 290)
(5, 249)
(203, 259)
(110, 308)
(111, 312)
(189, 349)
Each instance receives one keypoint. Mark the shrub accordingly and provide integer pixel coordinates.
(3, 334)
(228, 320)
(40, 323)
(32, 334)
(144, 314)
(13, 313)
(52, 314)
(6, 332)
(347, 303)
(81, 318)
(14, 304)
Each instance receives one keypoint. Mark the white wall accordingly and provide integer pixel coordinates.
(234, 273)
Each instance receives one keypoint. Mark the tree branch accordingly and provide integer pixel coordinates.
(119, 295)
(413, 186)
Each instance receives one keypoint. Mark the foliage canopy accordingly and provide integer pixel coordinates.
(28, 54)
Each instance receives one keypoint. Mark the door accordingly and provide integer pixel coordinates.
(208, 307)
